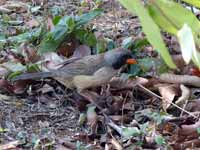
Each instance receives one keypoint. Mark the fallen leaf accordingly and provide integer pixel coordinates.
(184, 96)
(32, 23)
(51, 61)
(168, 92)
(6, 86)
(188, 130)
(10, 145)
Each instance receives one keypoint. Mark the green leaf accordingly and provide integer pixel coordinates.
(90, 39)
(54, 38)
(150, 28)
(186, 41)
(33, 68)
(195, 3)
(27, 36)
(183, 15)
(85, 18)
(160, 140)
(56, 20)
(85, 37)
(161, 20)
(130, 131)
(14, 74)
(139, 43)
(187, 44)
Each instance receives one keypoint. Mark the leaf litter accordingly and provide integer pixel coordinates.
(140, 109)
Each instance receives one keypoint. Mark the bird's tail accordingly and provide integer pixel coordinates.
(33, 76)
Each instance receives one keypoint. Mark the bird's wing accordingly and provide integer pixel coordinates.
(85, 66)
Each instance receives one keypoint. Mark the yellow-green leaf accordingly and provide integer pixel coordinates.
(186, 41)
(150, 28)
(161, 20)
(177, 15)
(195, 3)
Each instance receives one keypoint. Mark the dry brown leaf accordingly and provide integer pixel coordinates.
(11, 145)
(67, 47)
(168, 92)
(116, 144)
(52, 61)
(185, 95)
(32, 23)
(180, 79)
(188, 130)
(6, 86)
(29, 52)
(193, 106)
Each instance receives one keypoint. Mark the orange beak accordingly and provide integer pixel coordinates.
(131, 61)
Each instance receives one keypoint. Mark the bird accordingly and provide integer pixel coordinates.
(89, 71)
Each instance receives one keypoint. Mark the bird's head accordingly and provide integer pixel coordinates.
(119, 57)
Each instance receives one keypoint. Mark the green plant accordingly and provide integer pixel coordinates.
(67, 27)
(166, 15)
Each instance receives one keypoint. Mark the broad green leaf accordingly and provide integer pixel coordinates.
(139, 43)
(27, 36)
(161, 19)
(186, 41)
(56, 20)
(150, 28)
(85, 18)
(177, 15)
(195, 3)
(64, 27)
(90, 39)
(85, 37)
(187, 44)
(54, 38)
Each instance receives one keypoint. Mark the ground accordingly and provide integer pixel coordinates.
(46, 115)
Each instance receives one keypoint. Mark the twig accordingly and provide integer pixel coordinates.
(154, 94)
